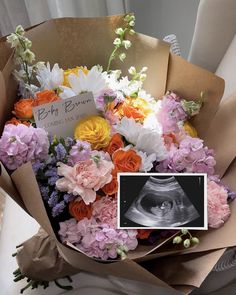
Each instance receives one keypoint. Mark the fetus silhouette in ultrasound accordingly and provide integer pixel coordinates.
(162, 203)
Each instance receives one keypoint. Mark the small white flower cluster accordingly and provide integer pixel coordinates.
(24, 57)
(121, 41)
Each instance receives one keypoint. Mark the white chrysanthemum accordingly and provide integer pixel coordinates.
(92, 82)
(50, 79)
(144, 139)
(151, 122)
(123, 85)
(147, 161)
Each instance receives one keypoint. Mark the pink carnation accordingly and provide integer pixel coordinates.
(218, 208)
(85, 178)
(105, 210)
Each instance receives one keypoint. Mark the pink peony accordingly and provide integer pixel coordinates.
(85, 177)
(218, 208)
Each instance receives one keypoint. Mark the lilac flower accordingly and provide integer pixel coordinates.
(69, 198)
(79, 152)
(58, 208)
(96, 239)
(21, 144)
(69, 142)
(190, 156)
(44, 190)
(171, 113)
(61, 152)
(53, 199)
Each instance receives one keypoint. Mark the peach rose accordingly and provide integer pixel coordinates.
(23, 109)
(115, 143)
(45, 96)
(126, 161)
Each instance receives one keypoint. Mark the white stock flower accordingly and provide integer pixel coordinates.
(144, 139)
(92, 82)
(50, 79)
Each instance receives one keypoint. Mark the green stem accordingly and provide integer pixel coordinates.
(112, 56)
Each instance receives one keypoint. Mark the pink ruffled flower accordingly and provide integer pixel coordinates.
(85, 177)
(105, 210)
(171, 113)
(218, 208)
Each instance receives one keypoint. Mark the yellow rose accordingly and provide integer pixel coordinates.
(73, 71)
(95, 130)
(189, 129)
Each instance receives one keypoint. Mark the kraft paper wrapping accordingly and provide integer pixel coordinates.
(71, 42)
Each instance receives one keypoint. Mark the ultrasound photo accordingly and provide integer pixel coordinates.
(162, 201)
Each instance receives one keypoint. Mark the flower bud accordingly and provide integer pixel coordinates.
(13, 40)
(127, 18)
(143, 77)
(119, 31)
(126, 44)
(28, 56)
(195, 240)
(144, 69)
(28, 43)
(20, 30)
(187, 243)
(184, 231)
(132, 71)
(122, 56)
(117, 42)
(177, 240)
(131, 32)
(132, 23)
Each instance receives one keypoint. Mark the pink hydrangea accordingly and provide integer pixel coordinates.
(21, 144)
(85, 177)
(98, 240)
(218, 208)
(171, 113)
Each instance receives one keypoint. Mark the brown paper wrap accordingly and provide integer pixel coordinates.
(88, 41)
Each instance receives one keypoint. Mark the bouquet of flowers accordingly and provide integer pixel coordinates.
(132, 131)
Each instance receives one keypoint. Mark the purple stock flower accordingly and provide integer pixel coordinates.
(79, 152)
(21, 144)
(190, 156)
(171, 113)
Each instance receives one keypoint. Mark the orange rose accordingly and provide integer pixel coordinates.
(23, 108)
(131, 112)
(14, 121)
(126, 161)
(45, 96)
(79, 210)
(115, 143)
(144, 233)
(111, 188)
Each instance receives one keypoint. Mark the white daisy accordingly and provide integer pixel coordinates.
(91, 82)
(50, 79)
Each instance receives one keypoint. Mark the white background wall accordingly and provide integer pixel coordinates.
(163, 17)
(154, 17)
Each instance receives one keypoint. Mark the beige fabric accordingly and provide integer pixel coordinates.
(214, 31)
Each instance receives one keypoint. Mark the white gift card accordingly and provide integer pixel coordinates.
(61, 117)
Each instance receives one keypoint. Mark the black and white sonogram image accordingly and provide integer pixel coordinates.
(162, 201)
